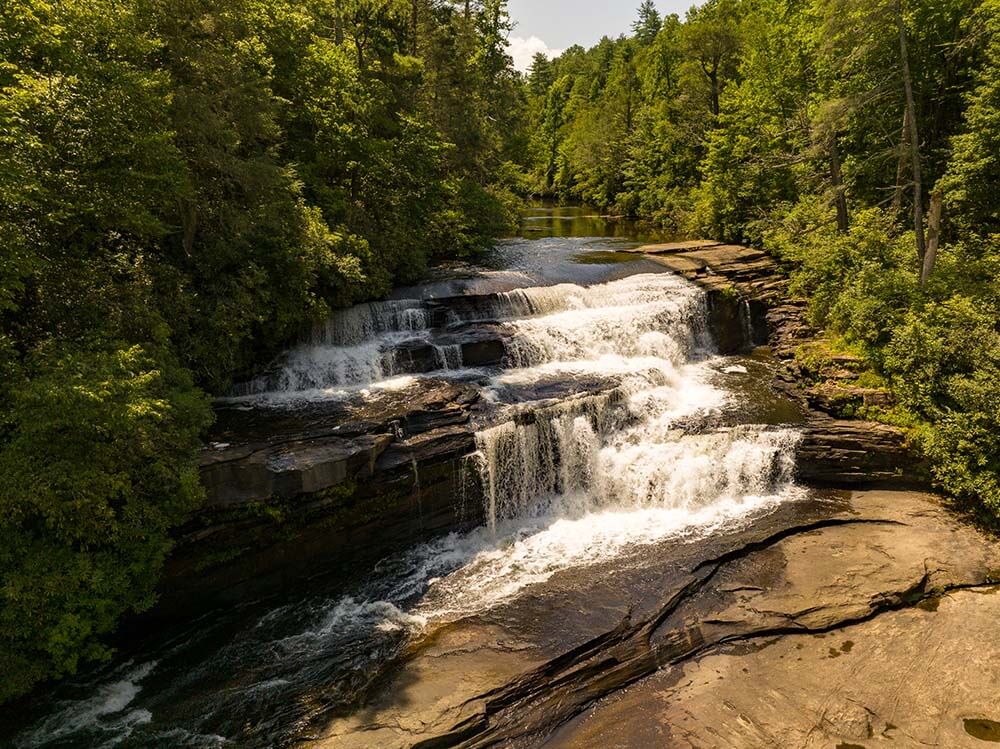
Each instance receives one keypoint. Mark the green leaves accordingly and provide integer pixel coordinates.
(184, 185)
(780, 122)
(98, 466)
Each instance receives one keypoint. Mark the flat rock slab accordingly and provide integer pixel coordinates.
(870, 623)
(444, 684)
(925, 676)
(669, 247)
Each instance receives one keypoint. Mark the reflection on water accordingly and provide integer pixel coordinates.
(548, 220)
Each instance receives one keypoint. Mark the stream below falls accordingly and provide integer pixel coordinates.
(615, 443)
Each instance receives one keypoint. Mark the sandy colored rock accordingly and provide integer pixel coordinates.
(441, 685)
(875, 623)
(907, 679)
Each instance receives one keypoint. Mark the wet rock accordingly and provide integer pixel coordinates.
(290, 489)
(248, 474)
(440, 445)
(845, 400)
(484, 350)
(729, 321)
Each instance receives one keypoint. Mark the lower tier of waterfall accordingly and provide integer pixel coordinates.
(635, 456)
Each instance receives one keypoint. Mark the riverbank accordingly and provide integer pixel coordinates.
(486, 497)
(290, 491)
(856, 621)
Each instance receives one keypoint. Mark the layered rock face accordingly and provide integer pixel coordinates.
(292, 492)
(834, 451)
(295, 489)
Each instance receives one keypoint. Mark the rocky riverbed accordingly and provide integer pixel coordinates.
(382, 468)
(582, 494)
(857, 620)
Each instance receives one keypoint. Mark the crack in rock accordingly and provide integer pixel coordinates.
(541, 700)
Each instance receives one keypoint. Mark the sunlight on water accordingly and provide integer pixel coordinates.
(630, 454)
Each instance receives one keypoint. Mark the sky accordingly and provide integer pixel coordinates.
(550, 26)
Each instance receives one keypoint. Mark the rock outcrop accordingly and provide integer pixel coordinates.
(290, 492)
(291, 489)
(749, 285)
(865, 623)
(856, 453)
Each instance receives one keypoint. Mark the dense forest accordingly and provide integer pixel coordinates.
(858, 140)
(185, 184)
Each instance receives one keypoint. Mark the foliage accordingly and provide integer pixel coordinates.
(184, 184)
(783, 123)
(97, 466)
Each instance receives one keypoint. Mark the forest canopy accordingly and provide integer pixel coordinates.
(858, 141)
(184, 184)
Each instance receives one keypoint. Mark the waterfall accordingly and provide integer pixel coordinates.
(568, 464)
(656, 316)
(606, 437)
(364, 322)
(524, 463)
(626, 450)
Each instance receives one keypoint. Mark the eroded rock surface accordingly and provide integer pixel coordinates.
(868, 623)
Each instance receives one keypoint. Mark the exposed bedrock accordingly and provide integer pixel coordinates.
(292, 490)
(819, 628)
(317, 485)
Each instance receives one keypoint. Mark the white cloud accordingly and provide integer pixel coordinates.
(523, 50)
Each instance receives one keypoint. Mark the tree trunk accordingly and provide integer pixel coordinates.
(836, 177)
(901, 166)
(415, 20)
(933, 237)
(918, 196)
(338, 22)
(714, 78)
(189, 218)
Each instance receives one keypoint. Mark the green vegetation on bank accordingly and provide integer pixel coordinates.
(183, 185)
(859, 140)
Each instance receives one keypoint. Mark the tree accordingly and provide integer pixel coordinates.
(972, 183)
(184, 185)
(648, 24)
(712, 39)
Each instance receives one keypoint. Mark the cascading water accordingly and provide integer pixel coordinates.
(629, 454)
(653, 315)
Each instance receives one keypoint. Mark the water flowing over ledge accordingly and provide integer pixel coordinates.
(499, 444)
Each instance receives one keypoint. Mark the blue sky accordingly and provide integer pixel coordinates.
(552, 25)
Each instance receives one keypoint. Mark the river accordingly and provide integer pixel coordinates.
(616, 442)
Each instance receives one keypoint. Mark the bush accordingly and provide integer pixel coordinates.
(859, 284)
(944, 363)
(98, 465)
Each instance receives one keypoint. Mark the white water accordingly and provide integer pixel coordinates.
(607, 473)
(646, 315)
(107, 710)
(592, 476)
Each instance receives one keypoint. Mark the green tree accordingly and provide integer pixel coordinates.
(973, 180)
(185, 184)
(648, 23)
